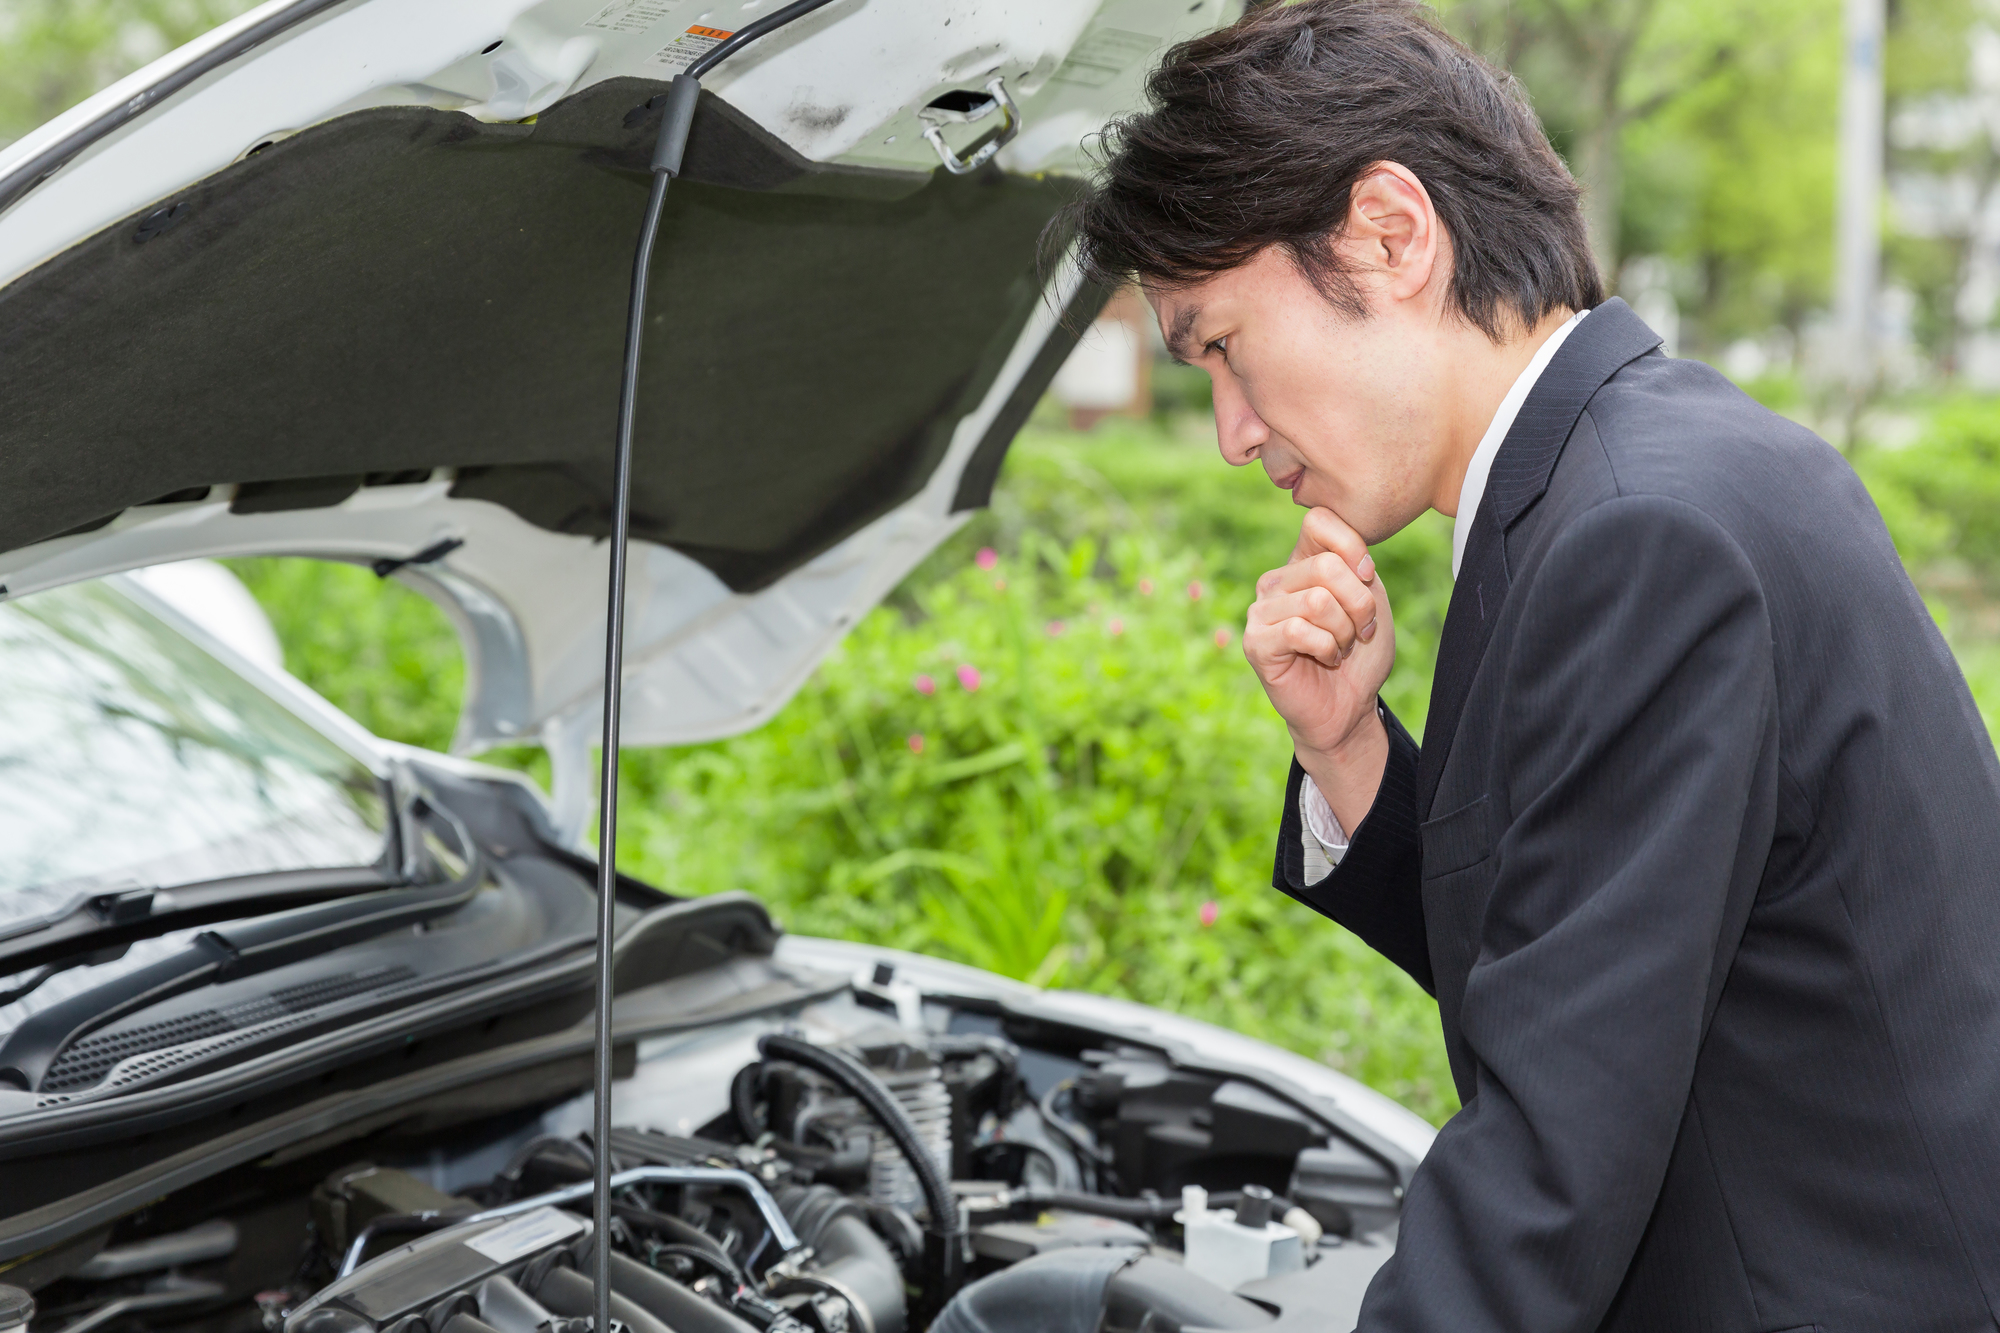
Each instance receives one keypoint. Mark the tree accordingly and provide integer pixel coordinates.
(1600, 71)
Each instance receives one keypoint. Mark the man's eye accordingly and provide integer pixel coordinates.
(1219, 345)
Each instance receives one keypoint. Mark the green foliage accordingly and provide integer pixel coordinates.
(1941, 495)
(384, 655)
(1123, 478)
(1735, 176)
(55, 53)
(1704, 129)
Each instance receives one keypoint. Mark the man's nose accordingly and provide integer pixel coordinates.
(1239, 431)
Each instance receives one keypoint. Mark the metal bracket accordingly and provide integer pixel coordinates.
(1010, 125)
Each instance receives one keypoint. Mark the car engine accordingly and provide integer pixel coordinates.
(966, 1173)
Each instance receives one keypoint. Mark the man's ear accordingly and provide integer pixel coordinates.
(1392, 231)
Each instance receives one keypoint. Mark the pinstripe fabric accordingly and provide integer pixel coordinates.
(1701, 858)
(1520, 474)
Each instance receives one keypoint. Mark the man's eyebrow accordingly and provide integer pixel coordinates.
(1177, 335)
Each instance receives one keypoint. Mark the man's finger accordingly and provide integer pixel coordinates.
(1328, 531)
(1315, 605)
(1308, 640)
(1269, 646)
(1328, 571)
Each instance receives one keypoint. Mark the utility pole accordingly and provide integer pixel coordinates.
(1857, 226)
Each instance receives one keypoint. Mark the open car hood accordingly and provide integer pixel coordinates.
(348, 280)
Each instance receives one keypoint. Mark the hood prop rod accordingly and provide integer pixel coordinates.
(675, 121)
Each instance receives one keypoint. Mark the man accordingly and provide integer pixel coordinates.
(1699, 853)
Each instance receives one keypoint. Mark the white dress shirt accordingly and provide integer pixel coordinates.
(1324, 841)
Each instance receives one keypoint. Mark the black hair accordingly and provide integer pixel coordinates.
(1256, 134)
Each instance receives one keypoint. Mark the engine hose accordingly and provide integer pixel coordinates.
(849, 1258)
(943, 1252)
(834, 1165)
(1036, 1199)
(743, 1102)
(1088, 1153)
(701, 1254)
(580, 1155)
(676, 1231)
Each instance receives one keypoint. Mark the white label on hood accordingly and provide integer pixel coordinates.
(525, 1235)
(685, 49)
(631, 16)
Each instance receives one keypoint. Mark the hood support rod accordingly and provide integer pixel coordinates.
(676, 120)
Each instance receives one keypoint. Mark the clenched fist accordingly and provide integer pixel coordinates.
(1321, 640)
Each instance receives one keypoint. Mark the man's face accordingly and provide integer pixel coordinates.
(1341, 412)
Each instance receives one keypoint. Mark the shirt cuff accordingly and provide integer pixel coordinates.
(1320, 835)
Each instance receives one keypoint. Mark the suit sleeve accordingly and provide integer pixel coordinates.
(1374, 891)
(1634, 811)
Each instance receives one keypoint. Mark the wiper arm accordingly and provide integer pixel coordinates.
(239, 950)
(97, 923)
(109, 920)
(34, 980)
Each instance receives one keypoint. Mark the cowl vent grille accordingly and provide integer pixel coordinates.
(85, 1063)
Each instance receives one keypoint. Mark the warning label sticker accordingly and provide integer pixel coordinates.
(689, 47)
(631, 16)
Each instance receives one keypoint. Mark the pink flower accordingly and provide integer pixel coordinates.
(925, 685)
(987, 557)
(1056, 627)
(1222, 637)
(1209, 911)
(968, 677)
(916, 742)
(1145, 587)
(1194, 591)
(1116, 627)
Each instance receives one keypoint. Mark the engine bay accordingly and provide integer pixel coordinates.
(872, 1163)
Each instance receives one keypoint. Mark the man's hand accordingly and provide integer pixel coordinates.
(1322, 641)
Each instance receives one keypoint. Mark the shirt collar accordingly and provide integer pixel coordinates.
(1473, 488)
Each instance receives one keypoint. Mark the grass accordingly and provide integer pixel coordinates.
(1044, 754)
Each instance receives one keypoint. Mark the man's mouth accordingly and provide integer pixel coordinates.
(1290, 480)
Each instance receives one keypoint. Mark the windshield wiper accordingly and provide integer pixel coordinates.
(241, 949)
(95, 926)
(101, 922)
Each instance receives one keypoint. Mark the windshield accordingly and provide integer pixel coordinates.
(129, 756)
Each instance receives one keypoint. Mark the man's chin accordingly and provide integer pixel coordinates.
(1371, 525)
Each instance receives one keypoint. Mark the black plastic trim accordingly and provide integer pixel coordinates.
(982, 470)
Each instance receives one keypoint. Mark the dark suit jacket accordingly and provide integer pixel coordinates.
(1701, 858)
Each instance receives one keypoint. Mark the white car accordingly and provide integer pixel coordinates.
(295, 1023)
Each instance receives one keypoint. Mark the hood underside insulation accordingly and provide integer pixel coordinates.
(401, 289)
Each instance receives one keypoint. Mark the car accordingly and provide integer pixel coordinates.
(296, 1022)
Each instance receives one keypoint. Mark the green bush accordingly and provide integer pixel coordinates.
(383, 654)
(1941, 494)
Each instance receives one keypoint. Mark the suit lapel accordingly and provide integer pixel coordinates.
(1593, 353)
